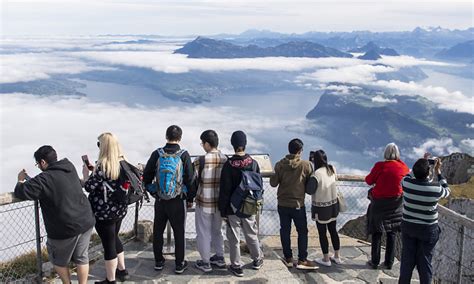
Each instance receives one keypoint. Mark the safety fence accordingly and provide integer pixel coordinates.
(23, 252)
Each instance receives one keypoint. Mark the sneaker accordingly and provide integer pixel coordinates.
(104, 281)
(336, 260)
(181, 268)
(387, 266)
(288, 262)
(372, 265)
(237, 271)
(159, 264)
(122, 275)
(322, 262)
(203, 266)
(306, 265)
(257, 264)
(217, 261)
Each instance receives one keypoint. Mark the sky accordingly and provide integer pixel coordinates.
(204, 17)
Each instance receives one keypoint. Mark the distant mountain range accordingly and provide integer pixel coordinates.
(203, 47)
(463, 51)
(374, 48)
(368, 119)
(425, 42)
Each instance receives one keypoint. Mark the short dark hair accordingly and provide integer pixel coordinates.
(46, 153)
(295, 146)
(174, 133)
(421, 169)
(210, 136)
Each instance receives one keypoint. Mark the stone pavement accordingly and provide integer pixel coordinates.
(140, 262)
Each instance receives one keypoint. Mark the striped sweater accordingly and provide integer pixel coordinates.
(420, 199)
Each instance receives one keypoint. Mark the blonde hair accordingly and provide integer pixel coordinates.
(110, 154)
(391, 152)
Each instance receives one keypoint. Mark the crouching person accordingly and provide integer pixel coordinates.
(231, 178)
(67, 213)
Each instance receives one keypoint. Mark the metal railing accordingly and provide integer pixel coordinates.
(22, 248)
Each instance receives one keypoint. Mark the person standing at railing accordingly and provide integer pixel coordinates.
(231, 178)
(420, 230)
(291, 176)
(67, 214)
(172, 170)
(207, 216)
(107, 195)
(325, 205)
(385, 209)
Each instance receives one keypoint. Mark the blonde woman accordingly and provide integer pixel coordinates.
(107, 195)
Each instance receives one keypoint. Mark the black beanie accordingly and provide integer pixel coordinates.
(238, 139)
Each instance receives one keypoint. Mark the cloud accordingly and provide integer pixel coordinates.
(72, 125)
(468, 146)
(437, 147)
(409, 61)
(380, 99)
(25, 67)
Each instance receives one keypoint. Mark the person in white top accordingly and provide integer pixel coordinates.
(325, 205)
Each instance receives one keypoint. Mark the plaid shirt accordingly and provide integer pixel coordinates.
(207, 195)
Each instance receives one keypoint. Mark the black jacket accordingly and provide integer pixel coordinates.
(384, 214)
(66, 210)
(149, 172)
(231, 177)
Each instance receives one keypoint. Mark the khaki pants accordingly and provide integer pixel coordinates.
(249, 228)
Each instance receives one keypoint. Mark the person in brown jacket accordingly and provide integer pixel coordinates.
(291, 176)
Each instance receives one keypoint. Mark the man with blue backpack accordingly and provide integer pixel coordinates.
(240, 198)
(167, 176)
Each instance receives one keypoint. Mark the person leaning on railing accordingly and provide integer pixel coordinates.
(420, 230)
(385, 209)
(67, 214)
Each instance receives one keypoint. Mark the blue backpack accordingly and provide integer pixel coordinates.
(169, 174)
(247, 198)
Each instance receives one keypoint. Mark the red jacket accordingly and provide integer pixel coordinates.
(387, 176)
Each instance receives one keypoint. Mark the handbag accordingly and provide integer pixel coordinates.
(342, 202)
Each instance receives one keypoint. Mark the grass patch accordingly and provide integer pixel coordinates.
(21, 266)
(465, 190)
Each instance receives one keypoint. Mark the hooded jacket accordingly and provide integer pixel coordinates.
(66, 210)
(231, 177)
(291, 175)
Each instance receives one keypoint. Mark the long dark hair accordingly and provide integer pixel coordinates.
(321, 160)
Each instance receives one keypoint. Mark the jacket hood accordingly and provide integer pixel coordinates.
(240, 162)
(62, 165)
(291, 161)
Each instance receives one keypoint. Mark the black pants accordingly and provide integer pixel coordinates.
(323, 239)
(418, 242)
(174, 211)
(389, 249)
(108, 231)
(299, 218)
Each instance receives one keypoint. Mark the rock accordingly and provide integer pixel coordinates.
(457, 168)
(145, 231)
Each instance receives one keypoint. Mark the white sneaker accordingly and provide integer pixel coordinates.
(336, 260)
(322, 262)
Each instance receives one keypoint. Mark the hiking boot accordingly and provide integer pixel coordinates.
(159, 264)
(203, 266)
(387, 266)
(322, 262)
(237, 271)
(372, 265)
(288, 262)
(181, 267)
(122, 275)
(217, 261)
(257, 264)
(306, 265)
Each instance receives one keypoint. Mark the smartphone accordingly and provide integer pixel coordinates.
(432, 161)
(27, 177)
(85, 159)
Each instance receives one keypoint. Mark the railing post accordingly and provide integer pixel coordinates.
(39, 261)
(461, 249)
(135, 224)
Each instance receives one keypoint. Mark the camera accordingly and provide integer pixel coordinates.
(432, 161)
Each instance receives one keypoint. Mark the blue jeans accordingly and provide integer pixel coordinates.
(418, 243)
(299, 218)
